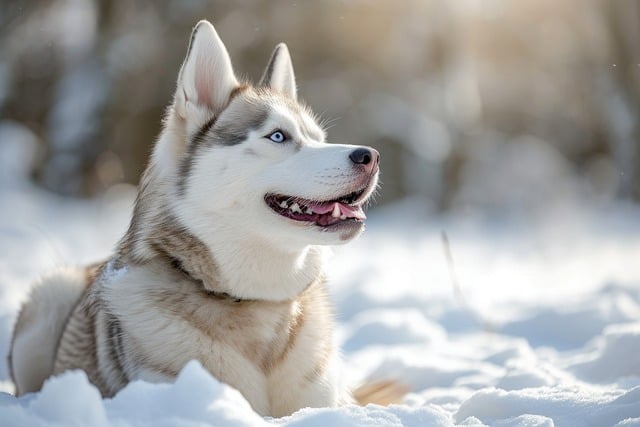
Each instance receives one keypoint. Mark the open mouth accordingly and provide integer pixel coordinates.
(321, 213)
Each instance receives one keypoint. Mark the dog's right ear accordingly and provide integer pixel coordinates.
(206, 78)
(279, 74)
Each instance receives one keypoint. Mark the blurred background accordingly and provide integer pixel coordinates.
(477, 106)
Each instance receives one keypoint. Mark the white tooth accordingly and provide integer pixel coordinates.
(343, 217)
(309, 211)
(284, 205)
(295, 208)
(336, 211)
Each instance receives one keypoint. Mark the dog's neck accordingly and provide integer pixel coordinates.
(223, 260)
(250, 267)
(177, 265)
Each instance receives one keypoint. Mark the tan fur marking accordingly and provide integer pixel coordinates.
(170, 240)
(92, 271)
(161, 369)
(222, 319)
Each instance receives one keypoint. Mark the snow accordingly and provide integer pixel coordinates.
(113, 272)
(544, 331)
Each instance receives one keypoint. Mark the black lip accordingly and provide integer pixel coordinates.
(351, 198)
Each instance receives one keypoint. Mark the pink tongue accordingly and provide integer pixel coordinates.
(349, 211)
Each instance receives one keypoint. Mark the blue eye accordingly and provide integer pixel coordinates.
(277, 136)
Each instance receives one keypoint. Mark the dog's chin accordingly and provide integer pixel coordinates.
(328, 222)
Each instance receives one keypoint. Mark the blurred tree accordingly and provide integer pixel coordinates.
(445, 90)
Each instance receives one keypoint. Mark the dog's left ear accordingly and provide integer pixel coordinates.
(279, 74)
(206, 79)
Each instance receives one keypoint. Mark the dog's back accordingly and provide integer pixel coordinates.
(40, 324)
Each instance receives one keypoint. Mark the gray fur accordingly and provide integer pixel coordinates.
(188, 158)
(234, 133)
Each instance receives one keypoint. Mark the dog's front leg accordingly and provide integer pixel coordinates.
(295, 387)
(233, 368)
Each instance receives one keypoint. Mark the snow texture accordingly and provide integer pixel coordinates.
(544, 331)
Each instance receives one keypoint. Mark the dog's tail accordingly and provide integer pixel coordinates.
(385, 392)
(40, 323)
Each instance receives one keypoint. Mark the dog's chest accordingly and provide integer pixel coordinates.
(255, 346)
(187, 323)
(257, 331)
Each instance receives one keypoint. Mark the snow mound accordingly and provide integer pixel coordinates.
(388, 327)
(581, 321)
(617, 355)
(194, 399)
(566, 406)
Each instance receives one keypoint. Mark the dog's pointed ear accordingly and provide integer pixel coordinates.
(279, 74)
(206, 78)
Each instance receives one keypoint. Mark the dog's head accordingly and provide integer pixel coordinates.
(253, 159)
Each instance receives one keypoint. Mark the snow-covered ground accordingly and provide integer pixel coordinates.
(529, 322)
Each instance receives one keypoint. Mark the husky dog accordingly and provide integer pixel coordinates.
(223, 259)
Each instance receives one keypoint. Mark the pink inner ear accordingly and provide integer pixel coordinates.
(204, 82)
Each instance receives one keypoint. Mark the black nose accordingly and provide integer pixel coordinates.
(361, 156)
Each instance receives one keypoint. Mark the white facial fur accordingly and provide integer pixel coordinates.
(228, 184)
